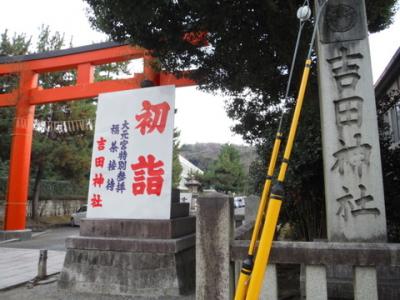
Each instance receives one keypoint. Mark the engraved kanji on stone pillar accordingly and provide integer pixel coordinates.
(345, 69)
(356, 157)
(352, 164)
(348, 112)
(357, 206)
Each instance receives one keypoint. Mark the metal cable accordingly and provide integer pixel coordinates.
(306, 3)
(301, 25)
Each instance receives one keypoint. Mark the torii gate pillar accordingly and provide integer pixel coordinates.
(18, 180)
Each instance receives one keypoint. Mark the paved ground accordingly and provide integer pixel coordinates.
(51, 292)
(21, 265)
(19, 259)
(51, 239)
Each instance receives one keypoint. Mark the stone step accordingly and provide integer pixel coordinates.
(131, 245)
(149, 229)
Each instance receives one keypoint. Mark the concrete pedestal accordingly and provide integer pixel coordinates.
(143, 258)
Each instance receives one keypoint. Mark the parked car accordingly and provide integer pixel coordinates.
(80, 214)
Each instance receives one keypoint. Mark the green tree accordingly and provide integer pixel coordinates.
(248, 60)
(242, 36)
(176, 165)
(18, 44)
(226, 173)
(197, 176)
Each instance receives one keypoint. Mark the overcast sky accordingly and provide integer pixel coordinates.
(201, 117)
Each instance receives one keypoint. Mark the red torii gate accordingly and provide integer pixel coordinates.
(83, 60)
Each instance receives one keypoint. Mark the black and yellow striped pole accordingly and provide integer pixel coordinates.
(247, 266)
(277, 192)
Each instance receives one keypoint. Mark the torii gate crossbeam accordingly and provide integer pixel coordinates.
(28, 67)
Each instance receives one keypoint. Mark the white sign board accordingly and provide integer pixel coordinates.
(130, 177)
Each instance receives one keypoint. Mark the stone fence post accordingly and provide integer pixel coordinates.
(214, 231)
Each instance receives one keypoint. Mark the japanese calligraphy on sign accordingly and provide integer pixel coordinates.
(132, 155)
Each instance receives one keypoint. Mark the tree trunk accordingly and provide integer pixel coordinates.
(36, 193)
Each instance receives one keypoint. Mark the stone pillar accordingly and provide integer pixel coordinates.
(270, 286)
(214, 230)
(355, 206)
(352, 164)
(365, 283)
(316, 283)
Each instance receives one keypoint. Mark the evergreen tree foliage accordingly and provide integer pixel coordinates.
(249, 42)
(176, 165)
(226, 173)
(18, 44)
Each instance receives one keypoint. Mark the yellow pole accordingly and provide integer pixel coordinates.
(276, 198)
(247, 265)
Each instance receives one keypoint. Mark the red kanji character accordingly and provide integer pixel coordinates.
(101, 144)
(139, 185)
(154, 185)
(96, 201)
(99, 161)
(154, 180)
(153, 117)
(98, 180)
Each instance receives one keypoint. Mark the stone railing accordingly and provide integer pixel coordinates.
(315, 256)
(219, 256)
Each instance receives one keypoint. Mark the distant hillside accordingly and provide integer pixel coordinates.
(203, 154)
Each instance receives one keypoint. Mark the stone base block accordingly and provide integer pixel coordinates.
(127, 273)
(25, 234)
(136, 267)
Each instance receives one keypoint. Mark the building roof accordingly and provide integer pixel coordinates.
(391, 72)
(188, 165)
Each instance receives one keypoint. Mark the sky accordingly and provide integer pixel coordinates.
(200, 117)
